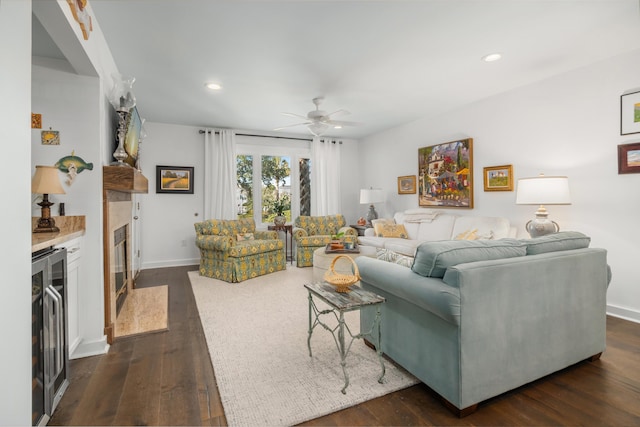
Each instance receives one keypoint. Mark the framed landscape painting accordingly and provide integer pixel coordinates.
(446, 175)
(174, 179)
(629, 158)
(498, 178)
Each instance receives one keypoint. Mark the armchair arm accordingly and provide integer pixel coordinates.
(299, 233)
(265, 234)
(216, 243)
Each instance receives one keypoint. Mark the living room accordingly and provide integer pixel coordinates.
(565, 124)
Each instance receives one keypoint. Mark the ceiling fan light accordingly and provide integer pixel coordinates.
(318, 128)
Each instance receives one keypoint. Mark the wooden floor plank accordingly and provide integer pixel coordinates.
(167, 379)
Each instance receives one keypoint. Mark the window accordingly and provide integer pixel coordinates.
(273, 173)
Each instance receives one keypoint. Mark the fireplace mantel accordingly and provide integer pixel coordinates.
(124, 179)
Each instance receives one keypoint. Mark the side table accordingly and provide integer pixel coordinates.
(359, 228)
(288, 229)
(341, 303)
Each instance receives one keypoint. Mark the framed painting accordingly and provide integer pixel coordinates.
(446, 175)
(407, 184)
(629, 158)
(498, 178)
(174, 179)
(630, 113)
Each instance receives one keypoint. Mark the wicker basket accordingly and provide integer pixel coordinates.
(339, 280)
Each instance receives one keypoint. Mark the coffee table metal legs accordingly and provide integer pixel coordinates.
(340, 339)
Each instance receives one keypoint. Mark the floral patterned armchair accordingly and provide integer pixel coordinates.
(313, 232)
(233, 250)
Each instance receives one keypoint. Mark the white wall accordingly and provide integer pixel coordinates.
(70, 104)
(15, 258)
(168, 235)
(566, 125)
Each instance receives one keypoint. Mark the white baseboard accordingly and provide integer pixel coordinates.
(90, 348)
(623, 313)
(170, 263)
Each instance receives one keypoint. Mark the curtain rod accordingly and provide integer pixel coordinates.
(201, 131)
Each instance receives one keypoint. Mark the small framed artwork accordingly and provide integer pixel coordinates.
(174, 179)
(407, 184)
(630, 113)
(498, 178)
(629, 158)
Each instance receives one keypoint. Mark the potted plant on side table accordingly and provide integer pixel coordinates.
(279, 207)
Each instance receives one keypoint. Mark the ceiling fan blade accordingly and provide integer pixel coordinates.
(340, 112)
(290, 126)
(296, 115)
(342, 123)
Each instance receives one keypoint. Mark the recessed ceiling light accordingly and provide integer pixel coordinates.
(492, 57)
(213, 86)
(337, 127)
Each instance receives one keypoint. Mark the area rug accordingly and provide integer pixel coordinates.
(144, 310)
(256, 332)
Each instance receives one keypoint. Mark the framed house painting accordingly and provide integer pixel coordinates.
(174, 179)
(629, 158)
(407, 184)
(630, 113)
(446, 175)
(498, 178)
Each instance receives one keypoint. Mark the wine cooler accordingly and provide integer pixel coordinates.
(50, 350)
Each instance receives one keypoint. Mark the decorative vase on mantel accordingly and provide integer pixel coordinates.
(280, 220)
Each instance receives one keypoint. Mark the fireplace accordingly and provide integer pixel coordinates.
(118, 183)
(120, 263)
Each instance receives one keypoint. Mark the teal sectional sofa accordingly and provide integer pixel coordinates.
(474, 319)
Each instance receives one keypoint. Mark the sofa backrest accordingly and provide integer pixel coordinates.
(433, 226)
(320, 225)
(226, 227)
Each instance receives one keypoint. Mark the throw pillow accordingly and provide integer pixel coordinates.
(382, 221)
(474, 235)
(433, 258)
(245, 236)
(562, 241)
(394, 257)
(390, 230)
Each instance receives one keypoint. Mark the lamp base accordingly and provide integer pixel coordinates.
(541, 225)
(46, 225)
(371, 215)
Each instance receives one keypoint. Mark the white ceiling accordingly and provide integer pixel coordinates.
(387, 62)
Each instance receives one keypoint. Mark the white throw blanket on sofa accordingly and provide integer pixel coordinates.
(420, 215)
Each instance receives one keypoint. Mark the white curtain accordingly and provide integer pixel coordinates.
(220, 180)
(325, 176)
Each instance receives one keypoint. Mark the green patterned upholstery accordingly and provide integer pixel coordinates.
(313, 232)
(223, 257)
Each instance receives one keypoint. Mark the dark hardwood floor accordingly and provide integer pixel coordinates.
(166, 378)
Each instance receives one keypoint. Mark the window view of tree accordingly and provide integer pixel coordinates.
(305, 186)
(276, 187)
(244, 198)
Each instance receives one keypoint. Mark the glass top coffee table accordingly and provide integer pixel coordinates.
(339, 304)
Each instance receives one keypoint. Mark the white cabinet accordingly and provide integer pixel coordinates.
(74, 254)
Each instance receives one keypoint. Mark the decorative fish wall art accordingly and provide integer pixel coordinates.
(72, 165)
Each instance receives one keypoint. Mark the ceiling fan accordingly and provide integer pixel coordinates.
(319, 121)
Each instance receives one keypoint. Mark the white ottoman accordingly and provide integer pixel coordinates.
(322, 261)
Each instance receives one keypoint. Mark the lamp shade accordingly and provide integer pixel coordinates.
(46, 181)
(371, 196)
(543, 190)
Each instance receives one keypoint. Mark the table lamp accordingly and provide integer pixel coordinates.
(543, 190)
(46, 181)
(371, 196)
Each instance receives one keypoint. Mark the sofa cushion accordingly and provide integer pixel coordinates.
(562, 241)
(403, 246)
(498, 227)
(390, 230)
(245, 236)
(394, 257)
(433, 258)
(474, 235)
